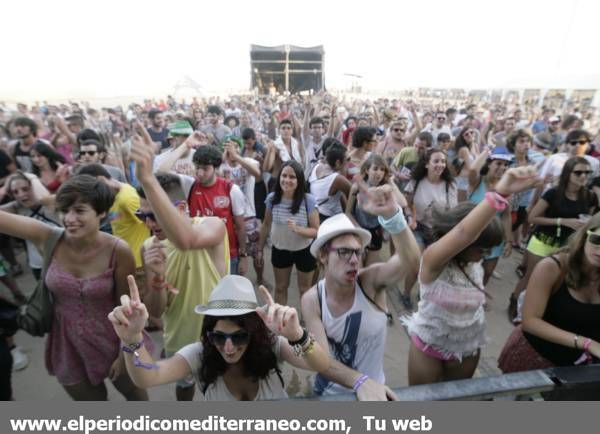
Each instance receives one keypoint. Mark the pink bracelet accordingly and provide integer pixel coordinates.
(585, 357)
(359, 382)
(496, 200)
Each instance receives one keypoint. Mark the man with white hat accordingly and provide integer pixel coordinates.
(346, 311)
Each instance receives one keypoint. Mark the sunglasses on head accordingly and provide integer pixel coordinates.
(582, 172)
(90, 153)
(593, 238)
(578, 142)
(238, 338)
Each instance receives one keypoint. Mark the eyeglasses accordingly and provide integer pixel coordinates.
(582, 172)
(238, 338)
(90, 153)
(396, 130)
(346, 253)
(578, 142)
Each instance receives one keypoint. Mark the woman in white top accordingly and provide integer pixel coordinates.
(448, 329)
(239, 351)
(327, 185)
(432, 186)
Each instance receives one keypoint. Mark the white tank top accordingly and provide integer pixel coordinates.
(326, 204)
(356, 339)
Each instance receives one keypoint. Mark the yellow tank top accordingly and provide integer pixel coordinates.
(194, 274)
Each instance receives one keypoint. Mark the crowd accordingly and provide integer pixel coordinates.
(150, 217)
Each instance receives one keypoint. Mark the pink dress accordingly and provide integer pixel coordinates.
(82, 344)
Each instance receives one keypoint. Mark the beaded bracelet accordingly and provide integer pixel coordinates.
(133, 349)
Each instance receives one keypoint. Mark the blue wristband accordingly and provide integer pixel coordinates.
(395, 224)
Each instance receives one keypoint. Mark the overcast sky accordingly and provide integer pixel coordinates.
(108, 48)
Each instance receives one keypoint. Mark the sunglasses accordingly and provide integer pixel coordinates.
(238, 338)
(578, 142)
(145, 215)
(441, 119)
(593, 238)
(346, 253)
(90, 153)
(582, 172)
(396, 130)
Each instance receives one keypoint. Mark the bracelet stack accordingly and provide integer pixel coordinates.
(303, 346)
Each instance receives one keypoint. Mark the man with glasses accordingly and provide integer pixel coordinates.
(183, 260)
(398, 137)
(347, 312)
(437, 126)
(92, 151)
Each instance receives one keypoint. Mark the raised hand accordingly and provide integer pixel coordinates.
(281, 320)
(518, 179)
(196, 140)
(156, 258)
(129, 319)
(143, 155)
(378, 201)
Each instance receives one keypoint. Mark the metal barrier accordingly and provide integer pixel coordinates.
(565, 383)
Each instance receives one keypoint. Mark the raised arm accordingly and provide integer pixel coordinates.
(466, 232)
(178, 227)
(128, 320)
(25, 228)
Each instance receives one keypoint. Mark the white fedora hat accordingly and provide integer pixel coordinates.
(233, 296)
(335, 226)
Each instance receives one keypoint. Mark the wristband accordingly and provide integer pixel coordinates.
(395, 224)
(496, 200)
(359, 382)
(133, 349)
(585, 357)
(302, 339)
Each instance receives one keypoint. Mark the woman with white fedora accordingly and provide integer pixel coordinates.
(238, 355)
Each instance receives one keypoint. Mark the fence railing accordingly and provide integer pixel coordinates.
(566, 383)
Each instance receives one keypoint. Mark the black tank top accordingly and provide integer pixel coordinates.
(567, 313)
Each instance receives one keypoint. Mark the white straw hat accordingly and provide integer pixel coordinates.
(335, 226)
(233, 296)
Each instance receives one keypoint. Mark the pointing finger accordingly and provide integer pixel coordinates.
(133, 289)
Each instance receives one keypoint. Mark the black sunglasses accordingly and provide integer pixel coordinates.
(582, 172)
(578, 142)
(238, 338)
(90, 153)
(145, 215)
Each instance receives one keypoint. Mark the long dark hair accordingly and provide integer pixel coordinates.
(51, 155)
(420, 170)
(300, 191)
(258, 359)
(577, 276)
(460, 141)
(583, 195)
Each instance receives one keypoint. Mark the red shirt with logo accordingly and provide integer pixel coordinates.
(215, 201)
